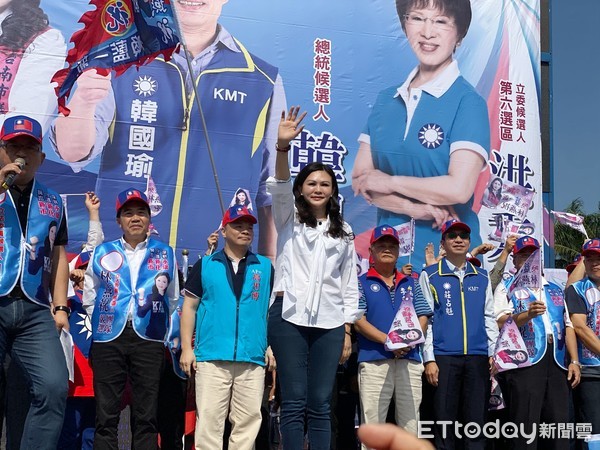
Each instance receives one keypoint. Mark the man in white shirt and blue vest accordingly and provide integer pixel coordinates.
(33, 277)
(583, 301)
(131, 287)
(538, 393)
(462, 337)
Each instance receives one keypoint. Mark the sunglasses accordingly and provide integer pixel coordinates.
(462, 234)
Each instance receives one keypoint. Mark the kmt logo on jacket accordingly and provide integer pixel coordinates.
(116, 18)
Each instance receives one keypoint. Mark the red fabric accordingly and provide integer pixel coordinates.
(83, 386)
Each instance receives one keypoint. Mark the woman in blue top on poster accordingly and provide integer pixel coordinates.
(426, 142)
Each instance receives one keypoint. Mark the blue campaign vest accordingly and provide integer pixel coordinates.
(45, 212)
(227, 328)
(235, 91)
(459, 310)
(588, 291)
(534, 332)
(381, 313)
(115, 293)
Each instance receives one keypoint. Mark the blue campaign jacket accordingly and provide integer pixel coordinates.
(230, 328)
(235, 91)
(381, 313)
(534, 332)
(16, 252)
(459, 310)
(588, 291)
(115, 293)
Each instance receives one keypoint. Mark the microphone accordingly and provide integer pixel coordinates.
(10, 178)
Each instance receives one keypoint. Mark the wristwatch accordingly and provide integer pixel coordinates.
(62, 308)
(577, 363)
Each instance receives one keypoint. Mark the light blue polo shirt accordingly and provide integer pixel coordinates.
(415, 136)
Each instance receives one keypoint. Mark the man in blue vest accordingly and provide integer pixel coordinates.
(583, 301)
(33, 269)
(382, 374)
(538, 393)
(461, 343)
(130, 288)
(226, 301)
(146, 123)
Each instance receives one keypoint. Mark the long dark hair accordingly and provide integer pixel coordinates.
(158, 275)
(305, 214)
(47, 244)
(25, 21)
(491, 187)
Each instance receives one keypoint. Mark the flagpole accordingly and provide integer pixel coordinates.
(202, 119)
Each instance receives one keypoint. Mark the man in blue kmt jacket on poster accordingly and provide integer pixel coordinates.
(146, 123)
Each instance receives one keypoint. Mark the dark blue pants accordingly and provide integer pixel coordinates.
(307, 360)
(462, 395)
(537, 394)
(78, 430)
(28, 333)
(586, 398)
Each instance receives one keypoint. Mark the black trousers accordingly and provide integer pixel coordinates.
(534, 395)
(113, 362)
(171, 407)
(461, 396)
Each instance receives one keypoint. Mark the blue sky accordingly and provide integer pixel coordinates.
(576, 83)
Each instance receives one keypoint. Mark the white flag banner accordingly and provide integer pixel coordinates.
(571, 220)
(530, 275)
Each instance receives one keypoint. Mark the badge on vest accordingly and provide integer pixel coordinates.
(227, 95)
(431, 136)
(145, 86)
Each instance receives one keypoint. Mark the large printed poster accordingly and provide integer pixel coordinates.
(464, 144)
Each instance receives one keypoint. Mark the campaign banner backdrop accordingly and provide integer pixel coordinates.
(404, 143)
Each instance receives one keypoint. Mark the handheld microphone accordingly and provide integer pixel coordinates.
(10, 178)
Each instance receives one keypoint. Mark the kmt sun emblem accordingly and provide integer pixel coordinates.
(431, 135)
(116, 18)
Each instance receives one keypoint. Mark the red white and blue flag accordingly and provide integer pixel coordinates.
(117, 35)
(23, 124)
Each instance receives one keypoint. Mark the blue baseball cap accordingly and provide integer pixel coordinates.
(382, 231)
(591, 247)
(129, 195)
(21, 126)
(238, 212)
(454, 223)
(525, 242)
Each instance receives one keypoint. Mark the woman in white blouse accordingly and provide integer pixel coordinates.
(315, 290)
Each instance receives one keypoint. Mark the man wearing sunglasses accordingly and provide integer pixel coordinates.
(461, 337)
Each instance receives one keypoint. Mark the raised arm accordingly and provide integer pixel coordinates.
(76, 134)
